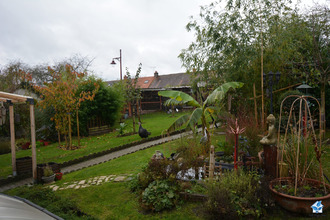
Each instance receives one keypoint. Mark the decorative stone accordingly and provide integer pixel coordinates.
(77, 187)
(82, 182)
(71, 186)
(55, 188)
(120, 178)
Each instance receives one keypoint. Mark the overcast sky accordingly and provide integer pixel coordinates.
(151, 32)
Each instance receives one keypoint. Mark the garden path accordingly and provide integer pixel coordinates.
(98, 180)
(101, 159)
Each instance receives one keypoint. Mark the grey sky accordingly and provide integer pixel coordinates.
(148, 31)
(151, 32)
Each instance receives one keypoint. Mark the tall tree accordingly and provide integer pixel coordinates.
(319, 25)
(133, 92)
(61, 94)
(229, 40)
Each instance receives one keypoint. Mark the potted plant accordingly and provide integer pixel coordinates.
(300, 149)
(58, 176)
(48, 175)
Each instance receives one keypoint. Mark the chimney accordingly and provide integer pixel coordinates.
(156, 74)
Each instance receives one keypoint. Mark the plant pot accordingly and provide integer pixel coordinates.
(295, 203)
(58, 176)
(48, 179)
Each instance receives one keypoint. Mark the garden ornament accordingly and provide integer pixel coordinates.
(236, 131)
(158, 155)
(270, 138)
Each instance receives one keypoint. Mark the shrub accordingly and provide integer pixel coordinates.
(48, 171)
(235, 191)
(106, 105)
(219, 204)
(160, 195)
(4, 146)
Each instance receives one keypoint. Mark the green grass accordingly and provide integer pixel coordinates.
(114, 200)
(156, 123)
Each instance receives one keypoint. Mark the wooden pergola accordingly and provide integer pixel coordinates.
(11, 99)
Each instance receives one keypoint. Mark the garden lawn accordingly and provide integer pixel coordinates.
(156, 123)
(113, 200)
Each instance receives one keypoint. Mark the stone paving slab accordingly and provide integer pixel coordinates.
(93, 181)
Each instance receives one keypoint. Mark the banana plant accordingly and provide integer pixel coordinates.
(201, 109)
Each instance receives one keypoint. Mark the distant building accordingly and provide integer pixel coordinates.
(151, 85)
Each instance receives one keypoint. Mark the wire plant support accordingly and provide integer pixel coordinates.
(300, 128)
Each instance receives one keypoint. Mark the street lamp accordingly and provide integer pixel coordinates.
(271, 82)
(120, 60)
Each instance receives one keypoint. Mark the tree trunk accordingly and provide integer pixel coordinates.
(59, 138)
(133, 117)
(78, 134)
(139, 111)
(70, 138)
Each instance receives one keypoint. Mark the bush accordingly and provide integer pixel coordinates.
(106, 105)
(235, 191)
(219, 204)
(160, 195)
(5, 146)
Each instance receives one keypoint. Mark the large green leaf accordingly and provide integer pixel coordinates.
(194, 117)
(170, 102)
(219, 93)
(180, 96)
(178, 123)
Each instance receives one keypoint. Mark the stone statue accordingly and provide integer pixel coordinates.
(270, 138)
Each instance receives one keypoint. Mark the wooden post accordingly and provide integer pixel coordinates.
(33, 141)
(78, 127)
(212, 163)
(262, 76)
(12, 137)
(255, 103)
(70, 138)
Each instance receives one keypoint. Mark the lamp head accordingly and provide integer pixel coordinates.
(113, 62)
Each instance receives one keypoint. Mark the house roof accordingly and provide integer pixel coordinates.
(144, 82)
(176, 80)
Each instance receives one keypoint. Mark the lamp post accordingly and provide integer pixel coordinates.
(271, 82)
(120, 61)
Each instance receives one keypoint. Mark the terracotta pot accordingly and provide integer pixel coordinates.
(58, 176)
(295, 203)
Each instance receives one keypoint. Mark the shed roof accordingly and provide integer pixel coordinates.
(171, 81)
(175, 80)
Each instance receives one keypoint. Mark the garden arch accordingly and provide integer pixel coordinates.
(11, 99)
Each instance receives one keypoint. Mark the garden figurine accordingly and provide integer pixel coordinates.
(270, 138)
